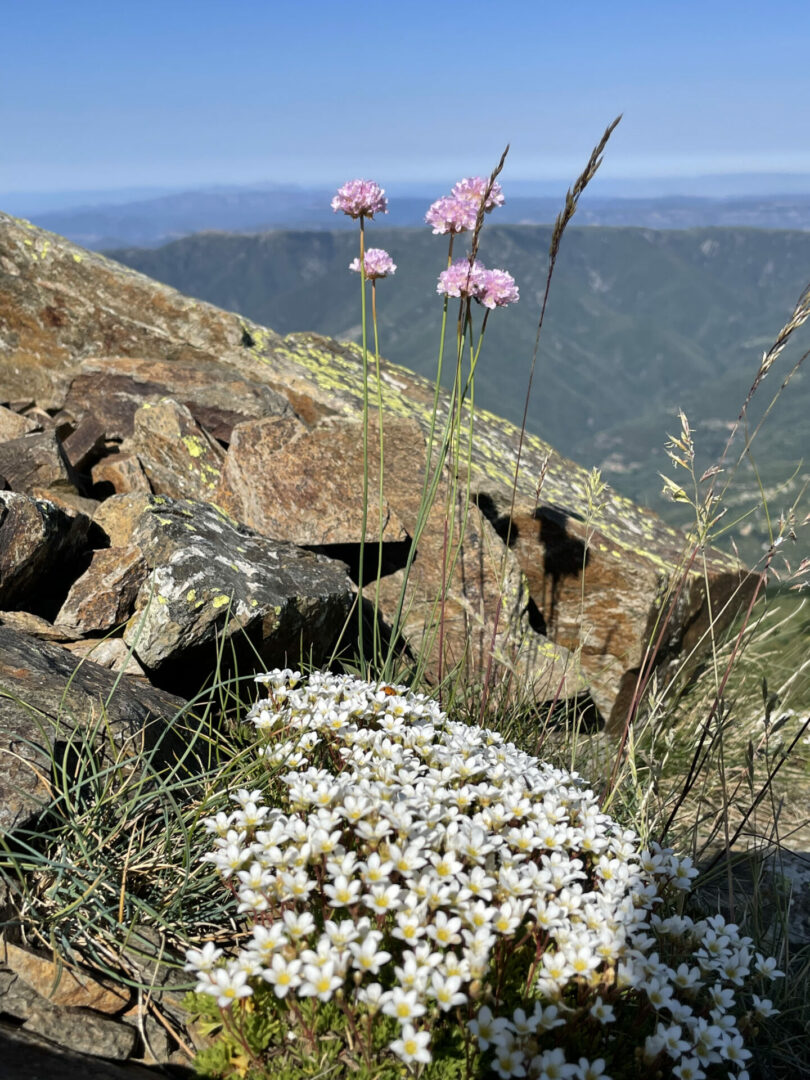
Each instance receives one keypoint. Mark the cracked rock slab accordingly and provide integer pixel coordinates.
(179, 457)
(210, 576)
(105, 593)
(38, 542)
(306, 485)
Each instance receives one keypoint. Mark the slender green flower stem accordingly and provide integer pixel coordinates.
(429, 486)
(453, 433)
(377, 643)
(365, 453)
(450, 503)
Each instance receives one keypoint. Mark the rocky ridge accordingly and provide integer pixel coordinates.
(174, 476)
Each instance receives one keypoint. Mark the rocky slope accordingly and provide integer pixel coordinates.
(130, 386)
(173, 477)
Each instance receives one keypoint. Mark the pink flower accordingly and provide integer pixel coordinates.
(472, 189)
(461, 279)
(360, 198)
(378, 264)
(451, 215)
(492, 288)
(498, 289)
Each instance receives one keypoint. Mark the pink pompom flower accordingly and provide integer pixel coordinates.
(462, 280)
(377, 262)
(498, 289)
(451, 215)
(492, 288)
(360, 198)
(472, 189)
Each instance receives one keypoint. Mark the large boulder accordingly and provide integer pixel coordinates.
(105, 594)
(209, 577)
(305, 484)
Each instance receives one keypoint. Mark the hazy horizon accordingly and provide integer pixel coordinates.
(712, 186)
(99, 98)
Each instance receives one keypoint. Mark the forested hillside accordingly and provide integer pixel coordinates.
(640, 322)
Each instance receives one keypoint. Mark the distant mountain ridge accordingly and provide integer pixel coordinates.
(640, 322)
(154, 221)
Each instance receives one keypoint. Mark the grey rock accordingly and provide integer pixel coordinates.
(84, 444)
(38, 543)
(179, 457)
(14, 424)
(210, 576)
(105, 593)
(36, 461)
(113, 388)
(81, 1030)
(25, 1055)
(46, 694)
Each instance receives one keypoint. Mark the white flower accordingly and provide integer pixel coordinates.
(368, 956)
(763, 1007)
(602, 1012)
(228, 986)
(343, 892)
(383, 898)
(376, 871)
(509, 1061)
(446, 990)
(320, 982)
(732, 1049)
(298, 923)
(592, 1070)
(487, 1028)
(283, 975)
(403, 1005)
(688, 1069)
(444, 929)
(410, 925)
(551, 1065)
(766, 965)
(202, 959)
(545, 1018)
(412, 1046)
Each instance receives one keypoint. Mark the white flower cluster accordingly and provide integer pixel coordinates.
(414, 860)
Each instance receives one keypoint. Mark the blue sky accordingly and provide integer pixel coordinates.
(179, 93)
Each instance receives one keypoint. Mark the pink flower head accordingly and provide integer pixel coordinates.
(377, 263)
(472, 189)
(451, 215)
(360, 198)
(462, 280)
(497, 289)
(492, 288)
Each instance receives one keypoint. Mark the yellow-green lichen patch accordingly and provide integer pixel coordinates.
(76, 257)
(194, 445)
(220, 601)
(191, 595)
